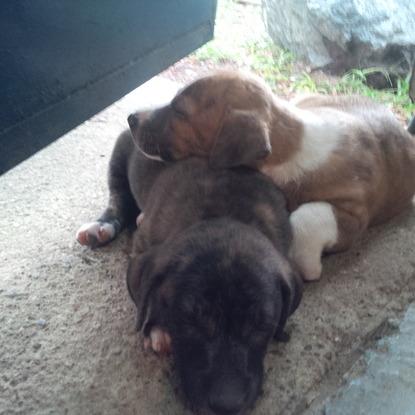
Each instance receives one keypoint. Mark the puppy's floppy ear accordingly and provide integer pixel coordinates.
(291, 286)
(243, 138)
(150, 289)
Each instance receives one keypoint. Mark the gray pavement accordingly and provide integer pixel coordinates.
(382, 382)
(67, 338)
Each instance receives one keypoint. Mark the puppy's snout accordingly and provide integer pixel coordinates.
(227, 397)
(133, 120)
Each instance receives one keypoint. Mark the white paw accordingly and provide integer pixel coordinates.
(310, 266)
(95, 233)
(159, 341)
(315, 229)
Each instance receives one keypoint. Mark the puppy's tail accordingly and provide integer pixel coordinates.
(411, 126)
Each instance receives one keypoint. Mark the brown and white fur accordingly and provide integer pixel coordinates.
(344, 162)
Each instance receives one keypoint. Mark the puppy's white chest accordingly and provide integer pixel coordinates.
(319, 140)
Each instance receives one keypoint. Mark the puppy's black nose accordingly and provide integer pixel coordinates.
(132, 120)
(227, 399)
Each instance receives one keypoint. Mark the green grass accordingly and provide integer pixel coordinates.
(354, 82)
(277, 65)
(267, 60)
(240, 40)
(211, 52)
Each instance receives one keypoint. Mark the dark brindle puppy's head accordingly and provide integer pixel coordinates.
(206, 119)
(222, 292)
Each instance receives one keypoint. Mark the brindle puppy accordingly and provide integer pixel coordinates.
(209, 271)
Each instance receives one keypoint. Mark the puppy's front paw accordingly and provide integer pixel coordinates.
(95, 234)
(311, 271)
(310, 267)
(159, 341)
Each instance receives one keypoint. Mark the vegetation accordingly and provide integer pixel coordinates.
(240, 40)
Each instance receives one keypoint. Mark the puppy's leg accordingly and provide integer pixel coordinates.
(319, 227)
(121, 210)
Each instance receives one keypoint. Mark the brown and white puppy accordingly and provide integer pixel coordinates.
(209, 272)
(344, 163)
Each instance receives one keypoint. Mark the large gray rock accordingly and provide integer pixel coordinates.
(341, 34)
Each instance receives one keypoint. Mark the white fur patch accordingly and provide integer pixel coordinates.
(95, 232)
(314, 230)
(319, 140)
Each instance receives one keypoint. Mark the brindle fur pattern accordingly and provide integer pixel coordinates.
(209, 267)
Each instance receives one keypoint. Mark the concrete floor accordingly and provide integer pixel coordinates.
(382, 382)
(67, 338)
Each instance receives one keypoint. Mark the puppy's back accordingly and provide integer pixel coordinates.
(188, 192)
(375, 159)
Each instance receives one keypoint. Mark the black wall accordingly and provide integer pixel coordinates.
(62, 61)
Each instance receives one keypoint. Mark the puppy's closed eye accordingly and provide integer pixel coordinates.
(181, 107)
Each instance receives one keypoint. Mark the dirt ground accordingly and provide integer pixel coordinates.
(68, 343)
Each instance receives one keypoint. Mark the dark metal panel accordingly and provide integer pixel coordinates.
(62, 61)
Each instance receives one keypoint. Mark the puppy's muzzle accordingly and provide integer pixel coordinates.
(227, 395)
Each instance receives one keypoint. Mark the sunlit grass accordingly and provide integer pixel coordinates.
(239, 40)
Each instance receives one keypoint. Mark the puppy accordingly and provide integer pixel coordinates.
(209, 272)
(344, 163)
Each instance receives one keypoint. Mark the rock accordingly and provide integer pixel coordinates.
(338, 35)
